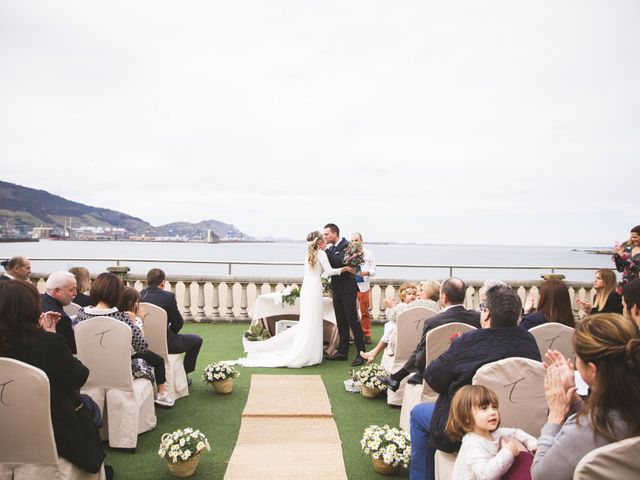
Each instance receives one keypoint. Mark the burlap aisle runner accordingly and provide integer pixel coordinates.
(287, 432)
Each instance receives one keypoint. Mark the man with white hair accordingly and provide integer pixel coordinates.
(61, 288)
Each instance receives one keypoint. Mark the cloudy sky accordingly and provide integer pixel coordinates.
(508, 122)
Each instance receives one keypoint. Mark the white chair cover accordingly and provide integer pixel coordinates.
(104, 346)
(444, 463)
(619, 460)
(409, 326)
(27, 445)
(556, 336)
(72, 309)
(155, 330)
(519, 385)
(436, 343)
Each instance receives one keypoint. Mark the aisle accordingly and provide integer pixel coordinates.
(287, 432)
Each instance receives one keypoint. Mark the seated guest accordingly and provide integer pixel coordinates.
(29, 336)
(186, 343)
(607, 299)
(83, 283)
(554, 305)
(452, 292)
(16, 268)
(61, 288)
(607, 347)
(106, 293)
(456, 368)
(631, 300)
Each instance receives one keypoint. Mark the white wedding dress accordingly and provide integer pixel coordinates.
(300, 345)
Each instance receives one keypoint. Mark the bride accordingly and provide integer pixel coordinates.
(300, 345)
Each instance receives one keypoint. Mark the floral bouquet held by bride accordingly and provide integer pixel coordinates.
(353, 255)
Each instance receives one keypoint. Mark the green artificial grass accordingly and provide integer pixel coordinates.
(218, 416)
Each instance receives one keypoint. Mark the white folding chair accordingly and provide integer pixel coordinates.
(619, 460)
(519, 386)
(27, 445)
(104, 346)
(556, 336)
(155, 331)
(436, 343)
(409, 326)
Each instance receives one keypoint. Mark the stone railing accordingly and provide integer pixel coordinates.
(230, 298)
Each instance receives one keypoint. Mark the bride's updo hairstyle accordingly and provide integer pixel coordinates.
(612, 343)
(313, 242)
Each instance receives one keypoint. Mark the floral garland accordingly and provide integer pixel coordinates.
(289, 295)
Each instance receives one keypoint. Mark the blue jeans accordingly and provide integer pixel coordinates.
(422, 454)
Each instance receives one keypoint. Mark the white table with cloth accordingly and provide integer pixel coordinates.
(270, 305)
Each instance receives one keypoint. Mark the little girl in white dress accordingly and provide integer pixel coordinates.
(488, 450)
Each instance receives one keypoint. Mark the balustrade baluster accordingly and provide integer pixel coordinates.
(200, 315)
(382, 316)
(215, 302)
(188, 316)
(229, 313)
(243, 301)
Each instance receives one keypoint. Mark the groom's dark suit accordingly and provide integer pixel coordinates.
(344, 301)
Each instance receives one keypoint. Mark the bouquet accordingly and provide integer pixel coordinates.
(181, 445)
(353, 255)
(392, 445)
(368, 374)
(214, 372)
(289, 295)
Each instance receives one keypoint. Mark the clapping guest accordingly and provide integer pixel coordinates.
(627, 259)
(29, 336)
(607, 299)
(61, 288)
(106, 293)
(83, 284)
(554, 305)
(607, 347)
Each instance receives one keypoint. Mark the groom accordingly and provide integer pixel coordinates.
(344, 297)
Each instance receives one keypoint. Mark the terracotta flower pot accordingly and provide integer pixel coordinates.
(368, 392)
(183, 469)
(383, 468)
(223, 386)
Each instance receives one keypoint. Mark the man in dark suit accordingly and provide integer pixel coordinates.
(186, 343)
(452, 292)
(61, 288)
(456, 368)
(16, 268)
(344, 297)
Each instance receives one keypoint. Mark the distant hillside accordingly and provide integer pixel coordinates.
(25, 208)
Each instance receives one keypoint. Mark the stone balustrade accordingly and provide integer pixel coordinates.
(206, 299)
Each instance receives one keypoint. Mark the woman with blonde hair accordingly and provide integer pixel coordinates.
(83, 285)
(607, 347)
(300, 345)
(607, 300)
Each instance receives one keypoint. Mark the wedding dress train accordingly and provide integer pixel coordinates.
(300, 345)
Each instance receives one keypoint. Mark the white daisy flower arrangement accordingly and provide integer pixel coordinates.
(214, 372)
(368, 374)
(392, 445)
(182, 445)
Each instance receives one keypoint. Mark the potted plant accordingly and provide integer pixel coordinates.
(389, 448)
(257, 333)
(370, 386)
(181, 449)
(220, 376)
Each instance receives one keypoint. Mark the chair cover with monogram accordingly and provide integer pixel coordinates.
(556, 336)
(104, 346)
(155, 331)
(27, 445)
(438, 340)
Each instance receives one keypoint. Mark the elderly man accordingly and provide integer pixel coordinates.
(61, 288)
(363, 273)
(456, 368)
(16, 268)
(452, 293)
(188, 343)
(631, 300)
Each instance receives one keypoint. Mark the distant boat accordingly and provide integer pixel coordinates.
(18, 239)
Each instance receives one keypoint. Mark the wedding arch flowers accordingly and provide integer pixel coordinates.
(391, 445)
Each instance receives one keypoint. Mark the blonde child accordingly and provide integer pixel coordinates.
(408, 294)
(487, 451)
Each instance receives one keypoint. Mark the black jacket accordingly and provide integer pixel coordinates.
(167, 301)
(64, 326)
(344, 283)
(457, 366)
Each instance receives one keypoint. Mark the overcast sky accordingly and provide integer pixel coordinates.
(507, 122)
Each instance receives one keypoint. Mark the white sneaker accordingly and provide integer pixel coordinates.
(165, 400)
